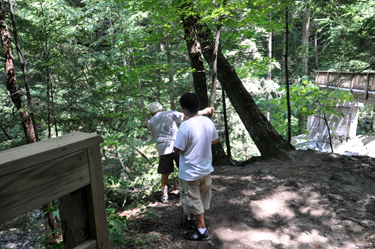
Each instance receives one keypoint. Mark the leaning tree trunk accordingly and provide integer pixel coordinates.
(199, 78)
(11, 80)
(270, 143)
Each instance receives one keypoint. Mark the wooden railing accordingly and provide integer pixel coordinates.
(362, 85)
(66, 168)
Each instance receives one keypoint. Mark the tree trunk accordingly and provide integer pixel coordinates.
(170, 74)
(269, 72)
(51, 224)
(304, 59)
(199, 77)
(226, 131)
(316, 47)
(53, 110)
(49, 124)
(11, 80)
(24, 72)
(214, 61)
(305, 42)
(196, 61)
(270, 143)
(287, 74)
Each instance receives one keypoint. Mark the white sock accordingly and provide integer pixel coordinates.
(164, 190)
(202, 230)
(190, 218)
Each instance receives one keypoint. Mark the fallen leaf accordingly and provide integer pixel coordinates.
(317, 245)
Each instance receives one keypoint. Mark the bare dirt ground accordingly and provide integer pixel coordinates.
(315, 200)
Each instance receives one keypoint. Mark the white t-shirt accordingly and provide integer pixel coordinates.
(163, 126)
(194, 138)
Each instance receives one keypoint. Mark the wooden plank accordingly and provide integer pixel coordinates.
(88, 244)
(30, 188)
(367, 85)
(372, 85)
(359, 97)
(96, 202)
(74, 218)
(21, 157)
(317, 77)
(349, 80)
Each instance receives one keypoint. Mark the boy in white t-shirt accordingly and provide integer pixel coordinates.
(164, 127)
(193, 142)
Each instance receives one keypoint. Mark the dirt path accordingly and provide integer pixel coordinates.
(316, 200)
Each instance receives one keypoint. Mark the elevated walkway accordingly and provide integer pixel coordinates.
(361, 85)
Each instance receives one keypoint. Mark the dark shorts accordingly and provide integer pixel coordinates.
(166, 163)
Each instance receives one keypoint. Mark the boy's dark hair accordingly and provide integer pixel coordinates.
(190, 101)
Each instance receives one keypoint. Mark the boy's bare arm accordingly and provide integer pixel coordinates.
(215, 141)
(178, 151)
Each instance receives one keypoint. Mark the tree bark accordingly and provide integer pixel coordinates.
(170, 74)
(287, 74)
(270, 143)
(316, 47)
(51, 224)
(11, 81)
(269, 72)
(196, 61)
(199, 78)
(214, 61)
(23, 67)
(305, 42)
(304, 59)
(226, 131)
(48, 99)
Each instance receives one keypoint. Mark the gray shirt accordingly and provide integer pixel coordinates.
(163, 126)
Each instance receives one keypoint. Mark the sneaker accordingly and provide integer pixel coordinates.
(189, 224)
(196, 235)
(164, 199)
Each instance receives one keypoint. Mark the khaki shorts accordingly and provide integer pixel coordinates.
(195, 196)
(166, 163)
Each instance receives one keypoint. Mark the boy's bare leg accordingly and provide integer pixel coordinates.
(199, 220)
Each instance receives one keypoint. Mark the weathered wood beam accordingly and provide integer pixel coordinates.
(32, 187)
